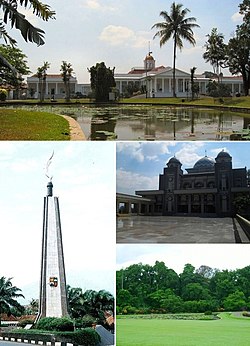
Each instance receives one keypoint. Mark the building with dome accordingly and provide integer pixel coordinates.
(207, 189)
(158, 80)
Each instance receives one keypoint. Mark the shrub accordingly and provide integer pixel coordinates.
(208, 313)
(3, 95)
(245, 314)
(84, 337)
(23, 323)
(86, 321)
(55, 323)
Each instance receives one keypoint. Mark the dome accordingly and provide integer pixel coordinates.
(223, 154)
(205, 163)
(174, 160)
(149, 57)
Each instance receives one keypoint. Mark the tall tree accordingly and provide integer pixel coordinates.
(238, 54)
(18, 60)
(8, 295)
(42, 76)
(192, 72)
(215, 52)
(179, 27)
(67, 70)
(102, 81)
(245, 9)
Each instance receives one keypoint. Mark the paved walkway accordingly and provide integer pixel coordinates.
(173, 229)
(76, 133)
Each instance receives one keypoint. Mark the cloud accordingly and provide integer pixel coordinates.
(144, 151)
(134, 150)
(117, 35)
(96, 6)
(188, 153)
(237, 17)
(129, 182)
(218, 150)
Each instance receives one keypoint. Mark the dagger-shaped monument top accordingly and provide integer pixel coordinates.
(47, 167)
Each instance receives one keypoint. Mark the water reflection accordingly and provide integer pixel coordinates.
(154, 122)
(160, 123)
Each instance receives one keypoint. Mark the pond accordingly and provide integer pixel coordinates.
(142, 122)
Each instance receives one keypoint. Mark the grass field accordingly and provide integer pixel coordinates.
(16, 124)
(228, 331)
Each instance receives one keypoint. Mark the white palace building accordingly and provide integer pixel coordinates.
(158, 81)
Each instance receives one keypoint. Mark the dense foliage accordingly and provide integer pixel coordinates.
(102, 81)
(8, 297)
(54, 323)
(17, 59)
(142, 288)
(89, 306)
(84, 337)
(234, 55)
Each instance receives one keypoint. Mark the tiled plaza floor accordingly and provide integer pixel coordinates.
(172, 229)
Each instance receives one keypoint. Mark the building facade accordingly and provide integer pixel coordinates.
(54, 86)
(207, 189)
(158, 81)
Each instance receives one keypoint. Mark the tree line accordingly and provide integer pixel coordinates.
(142, 288)
(85, 307)
(234, 55)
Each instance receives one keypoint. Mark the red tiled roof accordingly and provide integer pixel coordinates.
(142, 70)
(5, 317)
(27, 317)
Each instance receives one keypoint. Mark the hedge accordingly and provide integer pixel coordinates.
(84, 337)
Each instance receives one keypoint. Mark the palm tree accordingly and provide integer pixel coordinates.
(179, 27)
(75, 301)
(41, 74)
(16, 19)
(8, 295)
(66, 69)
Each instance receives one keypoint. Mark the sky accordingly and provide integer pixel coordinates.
(119, 33)
(175, 256)
(84, 180)
(138, 164)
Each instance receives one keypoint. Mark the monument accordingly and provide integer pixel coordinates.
(53, 295)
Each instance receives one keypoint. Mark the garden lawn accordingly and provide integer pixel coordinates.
(236, 102)
(17, 124)
(228, 331)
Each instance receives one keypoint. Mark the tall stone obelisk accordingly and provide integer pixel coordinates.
(53, 296)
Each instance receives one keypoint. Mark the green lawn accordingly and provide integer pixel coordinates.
(228, 331)
(17, 124)
(237, 102)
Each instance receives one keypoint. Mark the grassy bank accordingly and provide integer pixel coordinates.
(237, 102)
(229, 331)
(19, 124)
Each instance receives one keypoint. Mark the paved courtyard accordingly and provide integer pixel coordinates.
(172, 229)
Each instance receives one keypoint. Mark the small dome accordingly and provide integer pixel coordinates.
(174, 160)
(205, 163)
(149, 57)
(223, 154)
